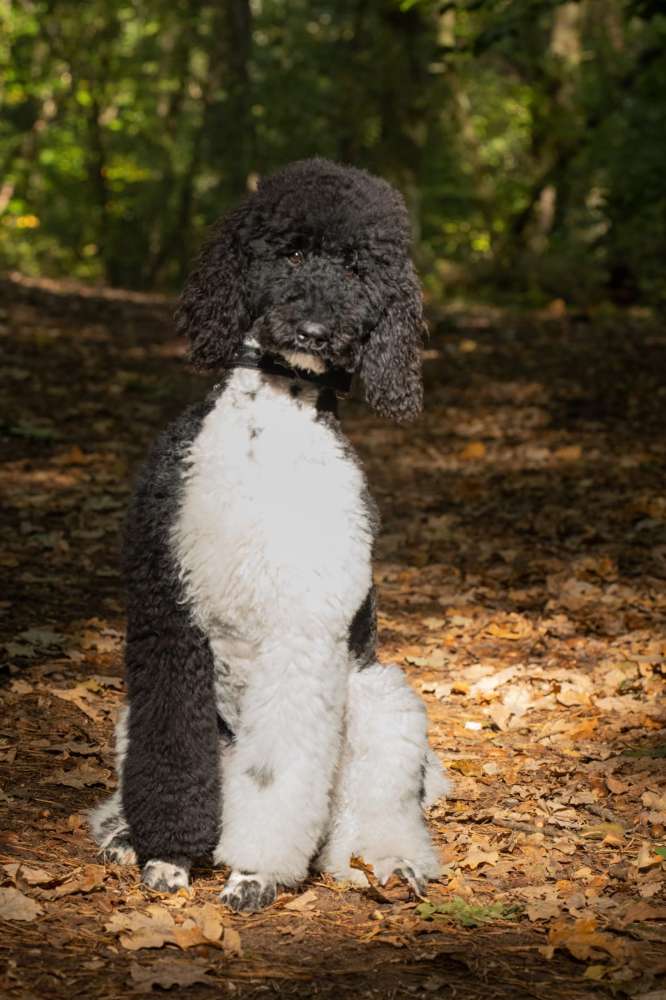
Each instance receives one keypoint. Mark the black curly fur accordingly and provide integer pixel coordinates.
(170, 781)
(318, 243)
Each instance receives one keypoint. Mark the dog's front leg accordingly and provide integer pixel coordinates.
(278, 774)
(170, 774)
(387, 775)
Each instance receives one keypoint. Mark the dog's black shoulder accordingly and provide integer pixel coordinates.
(160, 471)
(157, 493)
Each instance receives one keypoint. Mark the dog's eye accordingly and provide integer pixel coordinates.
(296, 258)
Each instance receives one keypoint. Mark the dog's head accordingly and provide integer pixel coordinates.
(315, 266)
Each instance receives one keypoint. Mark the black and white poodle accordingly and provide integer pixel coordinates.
(259, 726)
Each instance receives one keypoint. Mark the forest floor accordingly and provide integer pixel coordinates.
(522, 585)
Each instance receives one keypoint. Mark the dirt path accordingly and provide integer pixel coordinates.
(521, 573)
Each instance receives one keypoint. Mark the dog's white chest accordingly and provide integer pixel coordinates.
(273, 534)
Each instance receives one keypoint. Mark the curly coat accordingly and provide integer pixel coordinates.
(259, 727)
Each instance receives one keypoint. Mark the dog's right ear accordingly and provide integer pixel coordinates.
(212, 312)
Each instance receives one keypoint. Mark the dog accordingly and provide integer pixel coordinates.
(259, 727)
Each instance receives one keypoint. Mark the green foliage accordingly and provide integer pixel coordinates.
(650, 751)
(528, 136)
(466, 914)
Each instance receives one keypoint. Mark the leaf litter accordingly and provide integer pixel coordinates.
(520, 585)
(157, 926)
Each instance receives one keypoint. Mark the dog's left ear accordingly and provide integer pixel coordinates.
(390, 366)
(212, 312)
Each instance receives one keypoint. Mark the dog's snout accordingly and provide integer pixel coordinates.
(308, 330)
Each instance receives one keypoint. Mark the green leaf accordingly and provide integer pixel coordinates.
(466, 914)
(657, 751)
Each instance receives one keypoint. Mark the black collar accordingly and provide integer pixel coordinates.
(253, 357)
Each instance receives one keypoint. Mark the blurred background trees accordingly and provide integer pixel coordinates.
(528, 136)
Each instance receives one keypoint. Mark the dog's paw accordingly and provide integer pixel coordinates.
(247, 892)
(119, 851)
(407, 870)
(165, 876)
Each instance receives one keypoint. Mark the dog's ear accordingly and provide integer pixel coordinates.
(390, 366)
(212, 312)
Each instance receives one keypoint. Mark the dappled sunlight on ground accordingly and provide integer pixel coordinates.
(521, 573)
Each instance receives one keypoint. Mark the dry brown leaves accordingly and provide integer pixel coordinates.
(157, 925)
(15, 906)
(48, 885)
(521, 575)
(165, 973)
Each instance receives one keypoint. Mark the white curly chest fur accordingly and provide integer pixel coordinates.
(273, 538)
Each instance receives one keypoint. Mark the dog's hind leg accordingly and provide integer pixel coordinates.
(278, 773)
(387, 774)
(111, 832)
(107, 820)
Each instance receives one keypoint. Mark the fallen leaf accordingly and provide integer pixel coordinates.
(653, 801)
(467, 766)
(595, 972)
(43, 638)
(473, 451)
(513, 629)
(459, 687)
(209, 919)
(464, 912)
(477, 856)
(156, 927)
(21, 687)
(583, 730)
(609, 833)
(90, 877)
(305, 901)
(15, 906)
(647, 858)
(136, 930)
(642, 911)
(165, 973)
(649, 889)
(489, 683)
(231, 942)
(373, 888)
(436, 659)
(500, 715)
(80, 696)
(543, 909)
(83, 776)
(570, 695)
(465, 790)
(36, 876)
(584, 941)
(201, 925)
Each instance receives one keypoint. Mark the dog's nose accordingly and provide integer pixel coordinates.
(308, 330)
